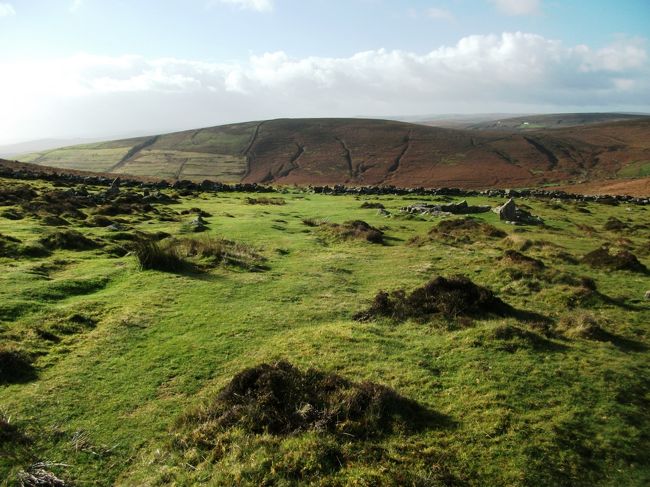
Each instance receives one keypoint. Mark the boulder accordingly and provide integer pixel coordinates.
(507, 211)
(510, 213)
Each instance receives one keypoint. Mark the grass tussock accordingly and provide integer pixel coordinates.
(10, 433)
(450, 297)
(54, 221)
(15, 365)
(13, 248)
(312, 222)
(354, 230)
(372, 205)
(622, 260)
(613, 224)
(12, 214)
(8, 245)
(152, 255)
(178, 254)
(461, 230)
(581, 324)
(216, 251)
(266, 201)
(280, 399)
(68, 240)
(196, 211)
(512, 257)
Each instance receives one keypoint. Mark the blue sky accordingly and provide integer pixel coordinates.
(75, 67)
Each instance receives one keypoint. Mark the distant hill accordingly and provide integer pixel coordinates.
(550, 121)
(10, 150)
(372, 152)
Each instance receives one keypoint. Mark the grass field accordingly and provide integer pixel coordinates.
(104, 365)
(637, 169)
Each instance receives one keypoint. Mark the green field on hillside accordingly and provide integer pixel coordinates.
(111, 374)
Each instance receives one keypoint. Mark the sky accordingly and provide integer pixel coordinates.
(100, 68)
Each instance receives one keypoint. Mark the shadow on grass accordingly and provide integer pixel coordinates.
(618, 341)
(390, 241)
(526, 316)
(510, 338)
(15, 366)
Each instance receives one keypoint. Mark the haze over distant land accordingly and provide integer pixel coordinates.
(203, 63)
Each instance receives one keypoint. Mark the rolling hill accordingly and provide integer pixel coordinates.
(372, 152)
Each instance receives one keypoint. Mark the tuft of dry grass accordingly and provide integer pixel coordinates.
(451, 297)
(178, 254)
(152, 255)
(580, 324)
(280, 399)
(354, 230)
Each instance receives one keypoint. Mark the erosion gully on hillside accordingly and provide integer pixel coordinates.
(157, 335)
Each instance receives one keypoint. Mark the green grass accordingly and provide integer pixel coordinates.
(637, 169)
(215, 152)
(79, 158)
(122, 355)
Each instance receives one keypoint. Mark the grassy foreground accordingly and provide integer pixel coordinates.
(108, 372)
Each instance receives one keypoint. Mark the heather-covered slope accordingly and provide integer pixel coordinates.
(372, 152)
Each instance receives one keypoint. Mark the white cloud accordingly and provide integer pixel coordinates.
(93, 95)
(257, 5)
(518, 7)
(76, 5)
(439, 14)
(6, 10)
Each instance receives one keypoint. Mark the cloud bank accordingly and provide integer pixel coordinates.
(88, 95)
(6, 10)
(518, 7)
(257, 5)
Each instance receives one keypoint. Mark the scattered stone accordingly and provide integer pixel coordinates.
(198, 224)
(114, 188)
(461, 208)
(510, 213)
(38, 476)
(507, 211)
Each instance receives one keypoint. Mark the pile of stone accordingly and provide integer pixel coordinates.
(509, 213)
(461, 208)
